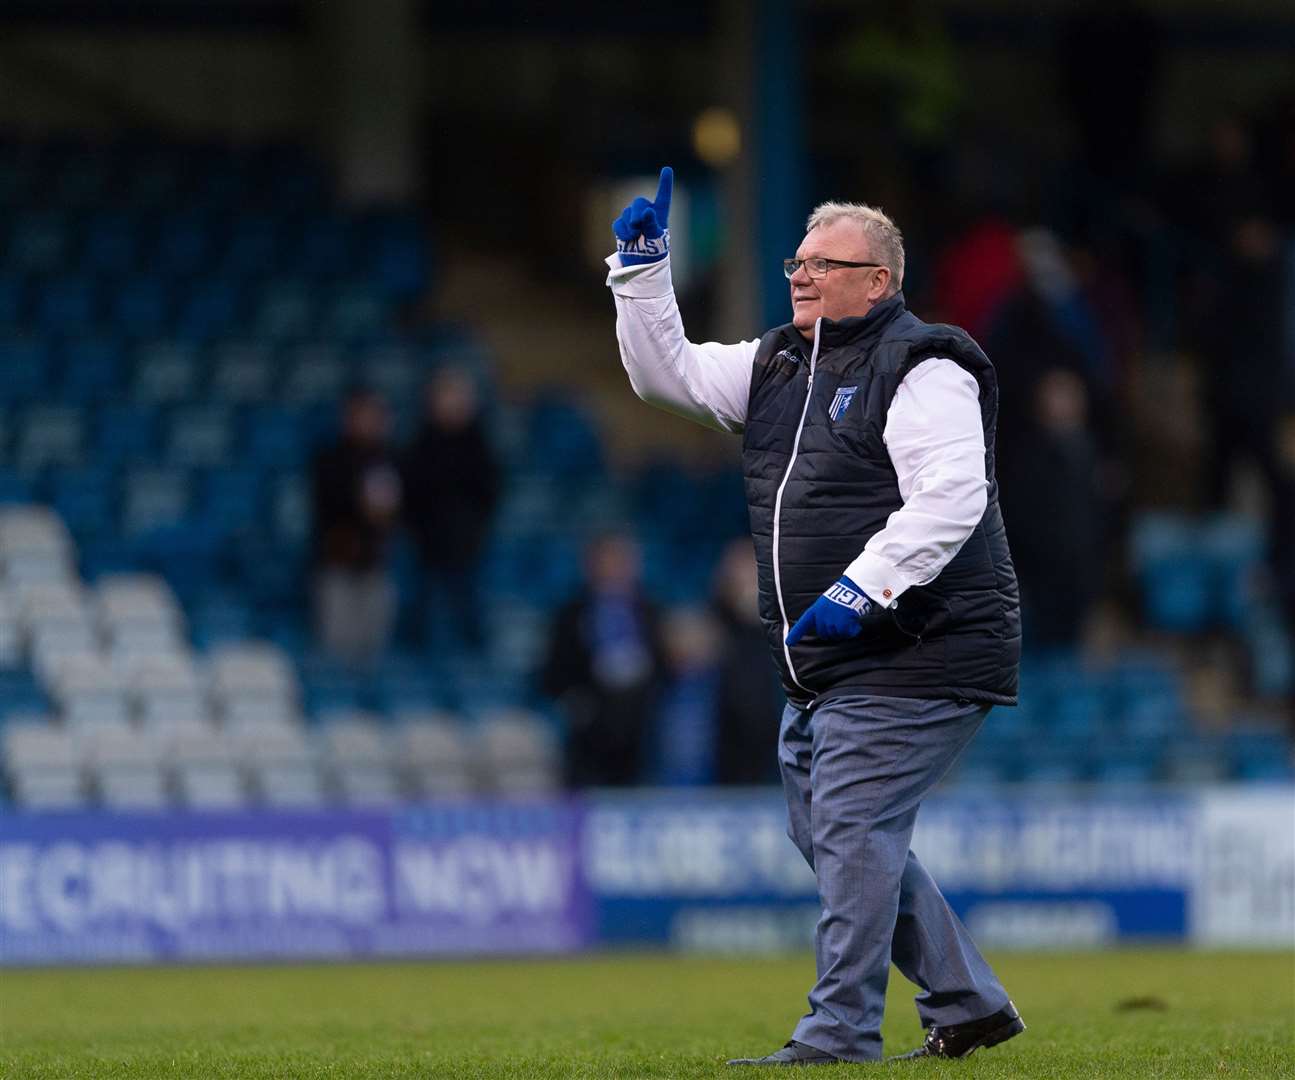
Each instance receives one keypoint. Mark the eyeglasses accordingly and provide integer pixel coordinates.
(817, 268)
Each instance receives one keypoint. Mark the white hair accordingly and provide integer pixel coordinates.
(885, 240)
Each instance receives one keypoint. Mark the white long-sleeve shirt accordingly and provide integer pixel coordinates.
(933, 431)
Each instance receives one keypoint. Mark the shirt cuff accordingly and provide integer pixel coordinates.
(876, 577)
(645, 281)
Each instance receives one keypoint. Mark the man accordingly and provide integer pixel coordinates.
(355, 494)
(451, 480)
(886, 591)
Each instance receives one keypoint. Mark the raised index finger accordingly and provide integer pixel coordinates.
(664, 190)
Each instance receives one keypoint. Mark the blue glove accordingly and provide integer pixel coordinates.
(836, 615)
(643, 229)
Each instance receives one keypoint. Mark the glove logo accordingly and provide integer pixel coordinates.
(846, 597)
(841, 402)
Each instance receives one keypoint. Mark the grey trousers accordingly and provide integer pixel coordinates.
(855, 769)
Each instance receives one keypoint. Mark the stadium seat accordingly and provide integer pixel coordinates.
(126, 769)
(184, 245)
(67, 304)
(90, 691)
(249, 247)
(283, 765)
(233, 500)
(111, 243)
(519, 753)
(154, 498)
(38, 241)
(165, 372)
(316, 374)
(199, 436)
(92, 370)
(86, 499)
(167, 690)
(13, 299)
(44, 766)
(355, 314)
(27, 367)
(126, 433)
(212, 309)
(436, 752)
(359, 756)
(206, 769)
(285, 309)
(254, 684)
(323, 247)
(35, 545)
(141, 306)
(49, 435)
(242, 373)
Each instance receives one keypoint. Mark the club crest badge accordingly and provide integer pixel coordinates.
(841, 402)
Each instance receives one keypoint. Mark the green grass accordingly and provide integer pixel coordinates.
(1211, 1015)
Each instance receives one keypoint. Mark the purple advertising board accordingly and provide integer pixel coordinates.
(122, 888)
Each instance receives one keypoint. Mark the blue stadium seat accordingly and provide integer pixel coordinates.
(154, 498)
(291, 510)
(199, 436)
(356, 313)
(184, 245)
(276, 437)
(323, 248)
(250, 247)
(564, 439)
(86, 499)
(67, 304)
(396, 254)
(112, 241)
(108, 554)
(165, 372)
(92, 369)
(285, 309)
(219, 616)
(212, 309)
(126, 433)
(27, 365)
(13, 299)
(1261, 754)
(14, 487)
(38, 241)
(242, 372)
(142, 305)
(316, 374)
(233, 500)
(49, 435)
(393, 371)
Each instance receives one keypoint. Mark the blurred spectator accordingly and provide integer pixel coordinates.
(604, 667)
(356, 501)
(749, 700)
(452, 482)
(1051, 504)
(686, 716)
(976, 274)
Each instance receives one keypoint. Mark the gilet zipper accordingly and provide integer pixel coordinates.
(777, 510)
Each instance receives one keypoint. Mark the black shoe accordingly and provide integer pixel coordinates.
(959, 1040)
(794, 1053)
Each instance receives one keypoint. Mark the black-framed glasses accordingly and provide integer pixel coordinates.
(817, 268)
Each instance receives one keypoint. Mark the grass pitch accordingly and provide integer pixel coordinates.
(1148, 1013)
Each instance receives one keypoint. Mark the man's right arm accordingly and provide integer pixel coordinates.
(708, 383)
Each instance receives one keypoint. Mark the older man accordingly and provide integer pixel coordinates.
(886, 591)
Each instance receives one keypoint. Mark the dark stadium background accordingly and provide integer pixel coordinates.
(218, 218)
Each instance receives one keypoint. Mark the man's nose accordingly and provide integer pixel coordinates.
(801, 276)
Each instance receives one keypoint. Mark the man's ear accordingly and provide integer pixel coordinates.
(880, 284)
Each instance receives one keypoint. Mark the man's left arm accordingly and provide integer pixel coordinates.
(936, 440)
